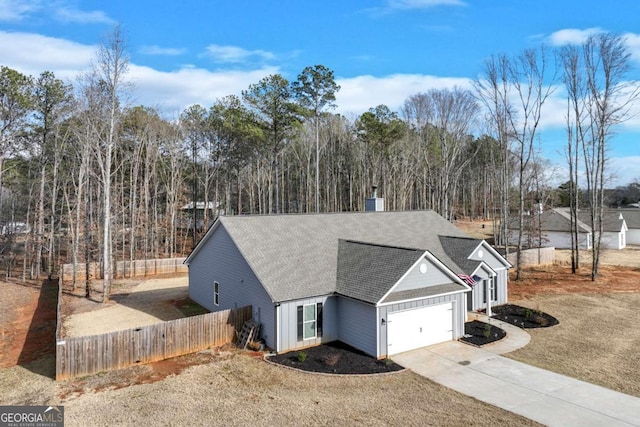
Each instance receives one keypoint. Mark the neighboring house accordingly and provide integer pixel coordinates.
(202, 209)
(614, 229)
(632, 219)
(382, 282)
(553, 228)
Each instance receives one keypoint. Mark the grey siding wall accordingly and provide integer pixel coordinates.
(219, 260)
(459, 315)
(476, 297)
(357, 325)
(288, 321)
(416, 280)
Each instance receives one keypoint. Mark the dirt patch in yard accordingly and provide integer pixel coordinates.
(27, 321)
(558, 279)
(132, 304)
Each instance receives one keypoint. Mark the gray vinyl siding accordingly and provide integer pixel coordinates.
(416, 280)
(459, 315)
(476, 296)
(357, 325)
(288, 321)
(220, 261)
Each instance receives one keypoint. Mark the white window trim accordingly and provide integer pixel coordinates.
(216, 293)
(315, 321)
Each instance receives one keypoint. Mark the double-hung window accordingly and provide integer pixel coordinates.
(309, 321)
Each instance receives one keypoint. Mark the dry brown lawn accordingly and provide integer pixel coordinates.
(229, 388)
(598, 337)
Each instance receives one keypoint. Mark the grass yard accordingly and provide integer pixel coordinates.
(596, 341)
(598, 337)
(229, 388)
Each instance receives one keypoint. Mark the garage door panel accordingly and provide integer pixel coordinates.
(420, 327)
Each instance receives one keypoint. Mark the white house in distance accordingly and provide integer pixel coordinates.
(632, 219)
(382, 282)
(555, 227)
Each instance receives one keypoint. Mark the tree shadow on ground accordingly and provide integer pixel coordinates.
(40, 342)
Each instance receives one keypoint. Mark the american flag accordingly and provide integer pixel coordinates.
(467, 279)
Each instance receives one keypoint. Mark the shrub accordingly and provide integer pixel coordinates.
(302, 356)
(331, 359)
(487, 330)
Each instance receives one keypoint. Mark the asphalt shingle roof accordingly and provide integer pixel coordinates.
(367, 271)
(296, 256)
(631, 217)
(459, 249)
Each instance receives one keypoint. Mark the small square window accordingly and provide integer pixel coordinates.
(216, 293)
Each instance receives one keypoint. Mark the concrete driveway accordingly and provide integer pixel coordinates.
(537, 394)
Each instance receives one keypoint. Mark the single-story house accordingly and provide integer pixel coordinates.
(614, 229)
(555, 227)
(632, 219)
(382, 282)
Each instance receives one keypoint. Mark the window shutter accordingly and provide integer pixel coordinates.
(300, 323)
(319, 320)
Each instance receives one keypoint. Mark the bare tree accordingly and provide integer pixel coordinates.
(533, 86)
(609, 99)
(493, 88)
(108, 74)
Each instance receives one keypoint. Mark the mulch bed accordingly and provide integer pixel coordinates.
(523, 317)
(481, 333)
(335, 358)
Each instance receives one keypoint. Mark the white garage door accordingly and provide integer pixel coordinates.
(420, 327)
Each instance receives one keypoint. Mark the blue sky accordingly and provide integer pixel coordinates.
(381, 51)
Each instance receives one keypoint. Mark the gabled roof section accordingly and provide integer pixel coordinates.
(296, 256)
(631, 216)
(367, 271)
(459, 250)
(611, 220)
(559, 219)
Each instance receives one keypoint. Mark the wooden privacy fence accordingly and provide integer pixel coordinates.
(136, 268)
(535, 256)
(79, 356)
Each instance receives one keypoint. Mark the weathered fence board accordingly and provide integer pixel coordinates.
(535, 256)
(122, 269)
(79, 356)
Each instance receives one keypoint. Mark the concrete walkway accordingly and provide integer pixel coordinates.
(537, 394)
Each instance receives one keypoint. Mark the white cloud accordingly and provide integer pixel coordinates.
(624, 170)
(163, 51)
(358, 94)
(173, 91)
(69, 14)
(572, 35)
(633, 43)
(422, 4)
(34, 53)
(16, 10)
(235, 54)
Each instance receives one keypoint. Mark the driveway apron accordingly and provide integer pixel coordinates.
(540, 395)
